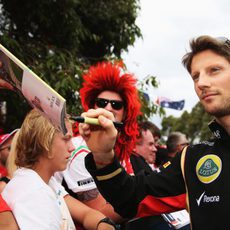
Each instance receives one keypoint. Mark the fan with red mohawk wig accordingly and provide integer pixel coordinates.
(107, 76)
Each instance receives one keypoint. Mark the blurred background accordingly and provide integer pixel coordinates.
(59, 40)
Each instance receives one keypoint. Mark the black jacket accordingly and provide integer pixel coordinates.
(207, 175)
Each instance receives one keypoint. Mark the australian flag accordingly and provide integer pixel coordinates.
(178, 105)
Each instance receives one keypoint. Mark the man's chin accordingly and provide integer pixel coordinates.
(218, 113)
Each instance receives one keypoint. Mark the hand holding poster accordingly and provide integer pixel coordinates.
(16, 76)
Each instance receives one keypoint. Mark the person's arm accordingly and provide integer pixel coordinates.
(2, 186)
(100, 139)
(80, 184)
(85, 215)
(99, 203)
(136, 196)
(7, 220)
(130, 196)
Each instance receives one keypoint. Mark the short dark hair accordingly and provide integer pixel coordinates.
(220, 46)
(173, 141)
(148, 125)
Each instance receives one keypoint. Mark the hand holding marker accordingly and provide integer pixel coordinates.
(93, 121)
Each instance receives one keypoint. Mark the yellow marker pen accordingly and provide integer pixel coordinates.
(93, 121)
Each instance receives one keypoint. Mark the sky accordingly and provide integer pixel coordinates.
(167, 26)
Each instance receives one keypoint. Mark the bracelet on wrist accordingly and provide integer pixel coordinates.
(107, 220)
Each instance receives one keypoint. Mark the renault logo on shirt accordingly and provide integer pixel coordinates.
(208, 168)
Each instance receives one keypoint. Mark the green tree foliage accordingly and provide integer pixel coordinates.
(59, 68)
(58, 40)
(194, 124)
(93, 29)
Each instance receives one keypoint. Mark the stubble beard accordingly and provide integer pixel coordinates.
(220, 110)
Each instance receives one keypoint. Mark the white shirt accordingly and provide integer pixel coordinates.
(76, 175)
(35, 204)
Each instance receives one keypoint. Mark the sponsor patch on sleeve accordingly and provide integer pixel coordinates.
(208, 168)
(165, 165)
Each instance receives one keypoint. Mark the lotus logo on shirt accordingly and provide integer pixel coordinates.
(208, 168)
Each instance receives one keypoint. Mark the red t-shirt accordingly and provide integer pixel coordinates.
(3, 205)
(3, 171)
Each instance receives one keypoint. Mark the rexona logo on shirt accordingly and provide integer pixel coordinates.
(207, 199)
(208, 168)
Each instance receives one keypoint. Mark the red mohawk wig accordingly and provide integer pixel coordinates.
(107, 76)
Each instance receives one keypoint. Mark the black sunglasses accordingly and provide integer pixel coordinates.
(102, 103)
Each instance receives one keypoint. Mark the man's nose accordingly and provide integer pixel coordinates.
(203, 81)
(154, 148)
(109, 107)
